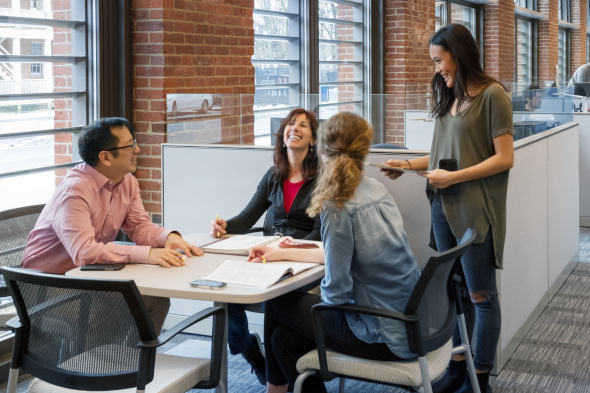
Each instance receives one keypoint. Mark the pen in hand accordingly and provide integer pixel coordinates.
(217, 218)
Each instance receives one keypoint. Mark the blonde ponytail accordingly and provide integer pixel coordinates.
(344, 140)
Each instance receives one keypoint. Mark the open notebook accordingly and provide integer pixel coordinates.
(260, 275)
(238, 245)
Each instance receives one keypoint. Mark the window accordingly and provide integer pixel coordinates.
(587, 49)
(45, 112)
(563, 10)
(37, 4)
(36, 50)
(524, 47)
(458, 11)
(530, 4)
(292, 58)
(563, 55)
(341, 56)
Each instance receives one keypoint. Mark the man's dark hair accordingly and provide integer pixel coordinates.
(97, 136)
(530, 91)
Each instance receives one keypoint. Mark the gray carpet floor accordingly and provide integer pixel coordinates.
(554, 357)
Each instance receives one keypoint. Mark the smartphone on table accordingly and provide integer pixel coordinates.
(208, 284)
(98, 266)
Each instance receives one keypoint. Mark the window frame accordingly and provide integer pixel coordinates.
(81, 25)
(567, 49)
(534, 48)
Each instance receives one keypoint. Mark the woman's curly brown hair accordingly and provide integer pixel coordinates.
(344, 140)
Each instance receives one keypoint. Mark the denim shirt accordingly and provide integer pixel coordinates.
(369, 262)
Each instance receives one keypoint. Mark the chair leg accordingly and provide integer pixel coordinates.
(300, 379)
(341, 385)
(425, 374)
(12, 380)
(468, 356)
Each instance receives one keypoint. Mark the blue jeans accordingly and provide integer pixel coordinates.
(238, 334)
(478, 273)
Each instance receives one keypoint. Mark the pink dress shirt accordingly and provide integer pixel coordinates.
(81, 220)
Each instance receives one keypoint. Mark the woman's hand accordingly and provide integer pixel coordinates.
(394, 174)
(217, 227)
(268, 253)
(440, 178)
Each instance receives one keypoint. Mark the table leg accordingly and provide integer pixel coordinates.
(222, 387)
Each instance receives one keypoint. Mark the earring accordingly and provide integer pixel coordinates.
(284, 145)
(312, 147)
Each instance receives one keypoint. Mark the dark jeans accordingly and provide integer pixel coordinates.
(238, 334)
(288, 335)
(478, 273)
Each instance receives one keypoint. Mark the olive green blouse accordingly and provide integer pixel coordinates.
(469, 138)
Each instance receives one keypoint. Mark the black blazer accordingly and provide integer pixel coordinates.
(269, 195)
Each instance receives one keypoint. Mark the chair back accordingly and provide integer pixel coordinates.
(80, 333)
(268, 228)
(15, 226)
(433, 298)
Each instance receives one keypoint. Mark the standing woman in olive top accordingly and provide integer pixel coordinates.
(285, 192)
(474, 126)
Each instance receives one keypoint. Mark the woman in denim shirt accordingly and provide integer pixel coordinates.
(368, 262)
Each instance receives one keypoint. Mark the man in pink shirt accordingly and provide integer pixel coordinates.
(81, 220)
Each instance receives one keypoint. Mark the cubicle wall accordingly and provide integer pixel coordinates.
(584, 121)
(542, 225)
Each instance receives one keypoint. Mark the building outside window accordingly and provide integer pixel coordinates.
(464, 15)
(44, 105)
(36, 50)
(461, 12)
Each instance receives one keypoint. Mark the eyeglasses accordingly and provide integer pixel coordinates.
(134, 145)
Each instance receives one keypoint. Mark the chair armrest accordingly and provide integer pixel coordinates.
(178, 328)
(252, 230)
(318, 327)
(374, 311)
(14, 323)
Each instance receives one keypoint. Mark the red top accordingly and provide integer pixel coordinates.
(290, 190)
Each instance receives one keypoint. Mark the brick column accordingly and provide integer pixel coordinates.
(189, 46)
(547, 40)
(499, 40)
(578, 36)
(409, 24)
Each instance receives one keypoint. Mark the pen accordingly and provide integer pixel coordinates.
(217, 217)
(263, 260)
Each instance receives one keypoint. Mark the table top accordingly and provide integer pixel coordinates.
(174, 282)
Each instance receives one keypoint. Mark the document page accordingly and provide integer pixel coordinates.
(260, 275)
(239, 243)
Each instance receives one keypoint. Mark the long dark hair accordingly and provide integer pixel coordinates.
(459, 42)
(309, 167)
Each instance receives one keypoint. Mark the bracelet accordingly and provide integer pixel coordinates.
(409, 164)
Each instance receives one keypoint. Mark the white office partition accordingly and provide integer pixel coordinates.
(200, 181)
(584, 141)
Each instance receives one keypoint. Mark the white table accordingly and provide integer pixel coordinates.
(174, 283)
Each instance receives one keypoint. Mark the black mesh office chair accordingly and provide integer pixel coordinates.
(430, 318)
(268, 227)
(15, 226)
(97, 335)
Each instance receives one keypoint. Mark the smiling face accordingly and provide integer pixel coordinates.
(298, 134)
(445, 66)
(126, 161)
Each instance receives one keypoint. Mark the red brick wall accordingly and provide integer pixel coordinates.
(578, 37)
(189, 46)
(409, 24)
(499, 40)
(547, 40)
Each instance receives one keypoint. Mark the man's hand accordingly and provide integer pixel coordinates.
(165, 257)
(175, 241)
